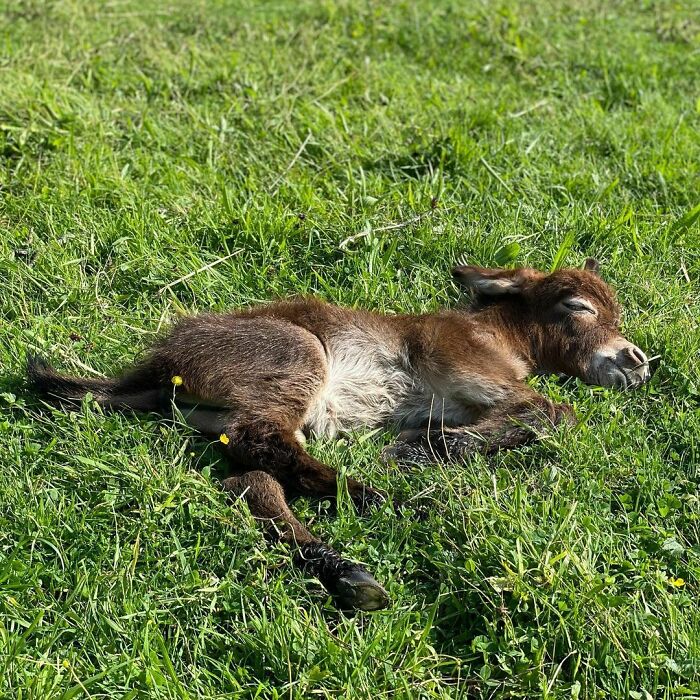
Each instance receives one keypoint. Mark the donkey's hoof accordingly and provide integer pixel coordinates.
(358, 590)
(348, 582)
(391, 454)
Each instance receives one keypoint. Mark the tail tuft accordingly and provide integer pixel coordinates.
(48, 383)
(138, 390)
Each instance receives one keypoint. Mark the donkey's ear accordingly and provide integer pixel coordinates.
(493, 282)
(592, 265)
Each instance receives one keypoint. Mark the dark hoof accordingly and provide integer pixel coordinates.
(388, 455)
(349, 584)
(358, 590)
(392, 454)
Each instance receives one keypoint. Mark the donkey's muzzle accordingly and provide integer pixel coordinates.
(620, 365)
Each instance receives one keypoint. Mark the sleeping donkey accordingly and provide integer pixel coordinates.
(264, 378)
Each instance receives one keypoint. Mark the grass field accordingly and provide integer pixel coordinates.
(141, 141)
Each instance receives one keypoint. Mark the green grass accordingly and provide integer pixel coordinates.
(140, 141)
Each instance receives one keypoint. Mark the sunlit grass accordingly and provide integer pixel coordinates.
(353, 151)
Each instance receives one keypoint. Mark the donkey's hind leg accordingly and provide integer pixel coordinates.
(277, 451)
(349, 583)
(268, 373)
(257, 445)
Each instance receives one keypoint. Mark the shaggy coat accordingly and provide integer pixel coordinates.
(453, 382)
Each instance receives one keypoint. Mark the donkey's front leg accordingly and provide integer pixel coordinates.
(348, 582)
(503, 427)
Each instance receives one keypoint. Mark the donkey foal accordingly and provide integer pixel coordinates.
(454, 381)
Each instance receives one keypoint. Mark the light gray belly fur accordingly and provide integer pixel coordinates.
(370, 384)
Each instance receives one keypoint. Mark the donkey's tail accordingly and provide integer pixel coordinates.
(138, 390)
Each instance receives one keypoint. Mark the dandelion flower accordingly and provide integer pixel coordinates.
(177, 380)
(676, 582)
(223, 438)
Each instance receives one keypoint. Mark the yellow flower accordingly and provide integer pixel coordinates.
(223, 438)
(676, 582)
(65, 663)
(177, 380)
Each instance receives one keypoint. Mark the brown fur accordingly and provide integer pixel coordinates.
(454, 380)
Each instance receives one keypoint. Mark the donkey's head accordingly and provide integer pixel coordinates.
(568, 321)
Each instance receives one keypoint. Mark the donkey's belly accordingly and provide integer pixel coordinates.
(345, 409)
(366, 385)
(370, 385)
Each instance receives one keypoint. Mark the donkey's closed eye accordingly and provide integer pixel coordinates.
(579, 305)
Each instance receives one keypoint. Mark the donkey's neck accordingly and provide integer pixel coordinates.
(517, 330)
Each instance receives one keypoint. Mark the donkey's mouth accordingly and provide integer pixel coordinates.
(617, 376)
(627, 379)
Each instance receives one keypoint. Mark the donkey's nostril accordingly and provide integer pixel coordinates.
(637, 355)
